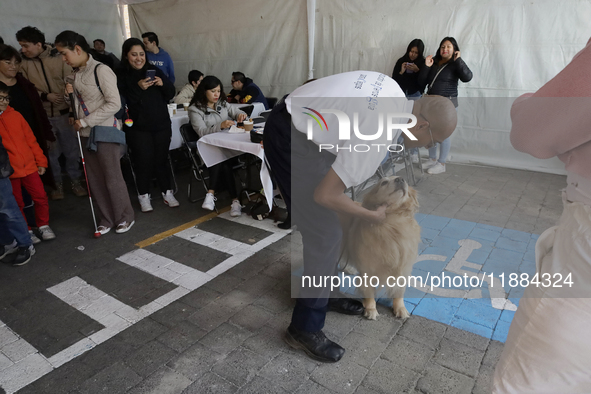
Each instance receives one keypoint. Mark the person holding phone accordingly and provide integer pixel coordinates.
(406, 73)
(146, 91)
(406, 70)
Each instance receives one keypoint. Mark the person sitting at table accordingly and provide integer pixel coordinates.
(245, 91)
(148, 136)
(188, 91)
(210, 113)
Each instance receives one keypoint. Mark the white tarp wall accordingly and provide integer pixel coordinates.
(511, 46)
(91, 18)
(267, 40)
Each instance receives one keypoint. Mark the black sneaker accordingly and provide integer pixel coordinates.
(23, 255)
(315, 344)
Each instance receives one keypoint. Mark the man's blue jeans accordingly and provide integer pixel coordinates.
(12, 222)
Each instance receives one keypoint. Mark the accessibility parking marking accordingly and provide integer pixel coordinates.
(456, 248)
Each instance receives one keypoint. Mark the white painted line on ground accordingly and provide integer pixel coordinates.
(24, 372)
(21, 364)
(266, 224)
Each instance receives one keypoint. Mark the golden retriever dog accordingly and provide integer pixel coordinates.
(387, 249)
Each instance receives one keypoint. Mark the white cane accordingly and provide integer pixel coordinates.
(73, 105)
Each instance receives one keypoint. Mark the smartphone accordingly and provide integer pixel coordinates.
(151, 74)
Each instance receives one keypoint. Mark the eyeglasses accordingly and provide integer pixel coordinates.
(6, 99)
(432, 142)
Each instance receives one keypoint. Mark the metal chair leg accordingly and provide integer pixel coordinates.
(410, 175)
(176, 187)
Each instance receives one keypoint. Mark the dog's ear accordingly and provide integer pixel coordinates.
(412, 194)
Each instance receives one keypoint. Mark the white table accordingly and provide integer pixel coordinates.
(218, 147)
(181, 118)
(258, 108)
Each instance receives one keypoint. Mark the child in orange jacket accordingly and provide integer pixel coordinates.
(27, 160)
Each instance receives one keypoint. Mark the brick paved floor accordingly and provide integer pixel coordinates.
(226, 335)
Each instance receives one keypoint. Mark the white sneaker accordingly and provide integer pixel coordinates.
(235, 209)
(429, 163)
(414, 158)
(103, 229)
(46, 233)
(169, 199)
(8, 249)
(436, 169)
(209, 202)
(145, 204)
(124, 227)
(34, 238)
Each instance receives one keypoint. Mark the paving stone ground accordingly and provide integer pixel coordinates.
(226, 335)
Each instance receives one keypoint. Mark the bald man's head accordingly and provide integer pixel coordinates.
(437, 118)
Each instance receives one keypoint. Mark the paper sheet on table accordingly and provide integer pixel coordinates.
(236, 130)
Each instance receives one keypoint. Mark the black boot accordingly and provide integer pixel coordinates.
(315, 344)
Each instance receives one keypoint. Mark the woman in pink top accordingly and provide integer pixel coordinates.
(548, 349)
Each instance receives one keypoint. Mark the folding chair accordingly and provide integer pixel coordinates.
(406, 158)
(190, 138)
(389, 163)
(248, 109)
(265, 114)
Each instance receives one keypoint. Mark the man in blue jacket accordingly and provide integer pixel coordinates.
(245, 91)
(157, 56)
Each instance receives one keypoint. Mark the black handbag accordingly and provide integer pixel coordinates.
(255, 137)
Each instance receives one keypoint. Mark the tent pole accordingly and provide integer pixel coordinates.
(311, 31)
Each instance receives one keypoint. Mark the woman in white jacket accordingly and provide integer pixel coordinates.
(210, 113)
(97, 106)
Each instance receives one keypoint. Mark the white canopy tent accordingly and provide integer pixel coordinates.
(512, 46)
(92, 18)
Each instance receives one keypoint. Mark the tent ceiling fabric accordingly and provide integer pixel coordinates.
(267, 40)
(93, 19)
